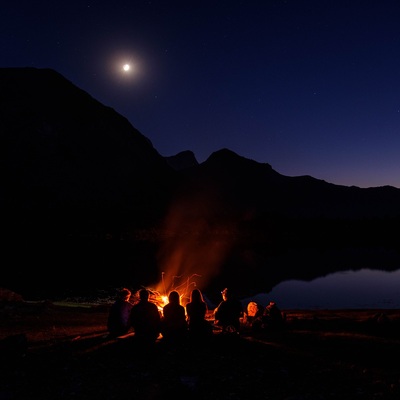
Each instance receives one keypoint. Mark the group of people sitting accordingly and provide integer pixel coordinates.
(176, 322)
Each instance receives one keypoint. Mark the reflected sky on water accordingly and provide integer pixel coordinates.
(364, 288)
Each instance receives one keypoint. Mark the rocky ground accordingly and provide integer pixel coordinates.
(50, 351)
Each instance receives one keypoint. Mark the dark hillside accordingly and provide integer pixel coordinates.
(291, 227)
(78, 184)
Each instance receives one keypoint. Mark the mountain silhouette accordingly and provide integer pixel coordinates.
(89, 203)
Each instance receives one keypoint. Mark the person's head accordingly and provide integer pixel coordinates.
(173, 297)
(124, 294)
(196, 295)
(252, 309)
(144, 294)
(225, 294)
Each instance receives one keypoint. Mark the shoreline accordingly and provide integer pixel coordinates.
(39, 320)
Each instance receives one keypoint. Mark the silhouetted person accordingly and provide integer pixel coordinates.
(196, 311)
(272, 317)
(118, 322)
(228, 313)
(174, 326)
(145, 318)
(254, 315)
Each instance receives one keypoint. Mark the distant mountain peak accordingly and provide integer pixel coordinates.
(183, 160)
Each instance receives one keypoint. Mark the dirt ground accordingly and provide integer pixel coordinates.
(54, 352)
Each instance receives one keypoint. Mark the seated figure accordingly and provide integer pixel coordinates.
(174, 326)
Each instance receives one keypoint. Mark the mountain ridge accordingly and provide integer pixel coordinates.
(83, 189)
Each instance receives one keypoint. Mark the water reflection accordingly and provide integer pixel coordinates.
(364, 288)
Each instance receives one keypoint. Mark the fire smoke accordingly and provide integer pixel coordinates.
(195, 246)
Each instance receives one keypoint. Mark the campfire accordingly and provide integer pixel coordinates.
(181, 284)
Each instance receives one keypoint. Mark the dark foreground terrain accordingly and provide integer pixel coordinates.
(54, 352)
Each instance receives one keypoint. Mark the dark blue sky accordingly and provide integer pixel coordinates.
(310, 87)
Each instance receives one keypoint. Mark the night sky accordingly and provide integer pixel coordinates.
(310, 87)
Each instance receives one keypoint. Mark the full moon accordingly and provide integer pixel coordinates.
(126, 67)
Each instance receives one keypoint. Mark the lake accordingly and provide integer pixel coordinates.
(365, 288)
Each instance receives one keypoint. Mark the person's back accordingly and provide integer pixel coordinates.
(145, 318)
(173, 323)
(273, 316)
(196, 311)
(118, 322)
(228, 313)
